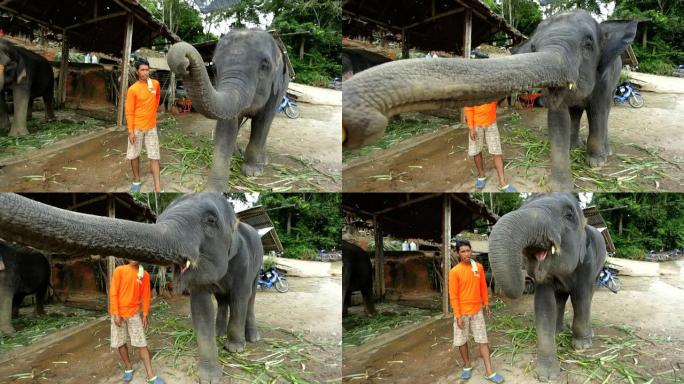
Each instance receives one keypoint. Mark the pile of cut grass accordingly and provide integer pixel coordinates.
(282, 358)
(358, 330)
(44, 133)
(32, 329)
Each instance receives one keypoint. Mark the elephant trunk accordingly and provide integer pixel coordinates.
(41, 226)
(187, 63)
(372, 96)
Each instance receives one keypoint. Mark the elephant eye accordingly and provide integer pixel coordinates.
(210, 220)
(568, 215)
(265, 65)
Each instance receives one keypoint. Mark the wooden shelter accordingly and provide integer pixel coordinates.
(114, 27)
(258, 218)
(433, 217)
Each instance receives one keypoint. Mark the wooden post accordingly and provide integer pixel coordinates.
(63, 71)
(446, 252)
(644, 37)
(467, 42)
(111, 261)
(404, 45)
(379, 260)
(620, 225)
(124, 70)
(301, 48)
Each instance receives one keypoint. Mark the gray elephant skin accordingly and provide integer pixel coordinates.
(548, 234)
(200, 230)
(28, 75)
(26, 273)
(357, 275)
(576, 59)
(251, 78)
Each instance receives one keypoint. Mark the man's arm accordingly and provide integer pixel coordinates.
(453, 293)
(130, 110)
(484, 292)
(158, 94)
(114, 293)
(145, 294)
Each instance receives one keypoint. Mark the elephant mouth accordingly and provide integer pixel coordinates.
(540, 252)
(185, 266)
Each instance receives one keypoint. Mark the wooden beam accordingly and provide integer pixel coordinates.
(446, 251)
(467, 42)
(435, 17)
(404, 45)
(459, 200)
(379, 260)
(97, 19)
(30, 18)
(86, 202)
(408, 202)
(369, 20)
(123, 88)
(63, 71)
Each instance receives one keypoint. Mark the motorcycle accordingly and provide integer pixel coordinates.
(607, 278)
(630, 93)
(289, 106)
(679, 71)
(272, 278)
(336, 84)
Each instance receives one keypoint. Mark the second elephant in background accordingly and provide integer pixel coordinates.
(357, 275)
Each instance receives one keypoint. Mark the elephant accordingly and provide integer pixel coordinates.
(218, 255)
(357, 275)
(25, 272)
(549, 235)
(28, 75)
(576, 59)
(251, 79)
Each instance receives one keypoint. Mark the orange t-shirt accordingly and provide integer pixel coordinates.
(481, 115)
(126, 292)
(467, 291)
(141, 106)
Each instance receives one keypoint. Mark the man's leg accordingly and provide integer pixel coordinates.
(498, 164)
(154, 167)
(479, 165)
(147, 361)
(152, 146)
(135, 167)
(484, 352)
(465, 355)
(123, 352)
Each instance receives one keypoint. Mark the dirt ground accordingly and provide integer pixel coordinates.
(304, 154)
(308, 314)
(438, 161)
(649, 307)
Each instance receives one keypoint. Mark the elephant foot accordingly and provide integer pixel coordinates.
(548, 370)
(234, 346)
(252, 169)
(6, 330)
(252, 335)
(581, 343)
(221, 330)
(561, 184)
(211, 375)
(597, 160)
(609, 149)
(576, 144)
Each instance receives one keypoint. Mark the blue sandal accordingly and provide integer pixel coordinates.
(128, 375)
(480, 182)
(495, 378)
(135, 187)
(467, 373)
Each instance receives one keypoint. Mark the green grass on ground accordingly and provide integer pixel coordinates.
(359, 330)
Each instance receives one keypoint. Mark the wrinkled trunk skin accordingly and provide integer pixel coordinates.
(374, 95)
(38, 225)
(506, 244)
(186, 63)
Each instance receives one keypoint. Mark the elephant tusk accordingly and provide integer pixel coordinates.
(187, 265)
(553, 249)
(571, 85)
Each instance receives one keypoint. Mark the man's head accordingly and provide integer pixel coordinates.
(142, 68)
(464, 251)
(133, 263)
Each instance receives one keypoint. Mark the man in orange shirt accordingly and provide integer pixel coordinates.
(129, 289)
(467, 293)
(481, 121)
(142, 102)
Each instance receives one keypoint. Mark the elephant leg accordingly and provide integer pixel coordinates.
(251, 331)
(29, 110)
(561, 299)
(203, 320)
(559, 135)
(255, 153)
(40, 305)
(548, 367)
(16, 304)
(224, 143)
(581, 321)
(575, 117)
(21, 99)
(4, 114)
(48, 100)
(6, 311)
(239, 299)
(597, 143)
(221, 315)
(346, 299)
(367, 293)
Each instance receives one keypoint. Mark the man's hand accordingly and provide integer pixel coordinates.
(117, 320)
(131, 137)
(145, 322)
(489, 311)
(473, 133)
(459, 322)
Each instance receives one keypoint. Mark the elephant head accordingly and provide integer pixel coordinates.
(12, 67)
(195, 232)
(546, 234)
(566, 55)
(249, 70)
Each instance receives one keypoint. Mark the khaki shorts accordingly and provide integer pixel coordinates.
(132, 328)
(476, 324)
(151, 144)
(490, 135)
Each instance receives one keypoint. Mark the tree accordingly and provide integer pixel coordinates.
(184, 20)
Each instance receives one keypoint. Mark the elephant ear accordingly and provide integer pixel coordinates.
(16, 68)
(281, 74)
(615, 37)
(525, 47)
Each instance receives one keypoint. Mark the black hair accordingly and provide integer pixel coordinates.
(460, 243)
(140, 61)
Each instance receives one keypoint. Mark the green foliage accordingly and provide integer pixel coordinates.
(269, 262)
(499, 203)
(315, 221)
(650, 221)
(184, 19)
(633, 252)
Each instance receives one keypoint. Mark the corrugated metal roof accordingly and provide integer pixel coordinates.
(258, 218)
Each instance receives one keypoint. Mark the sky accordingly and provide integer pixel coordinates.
(251, 202)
